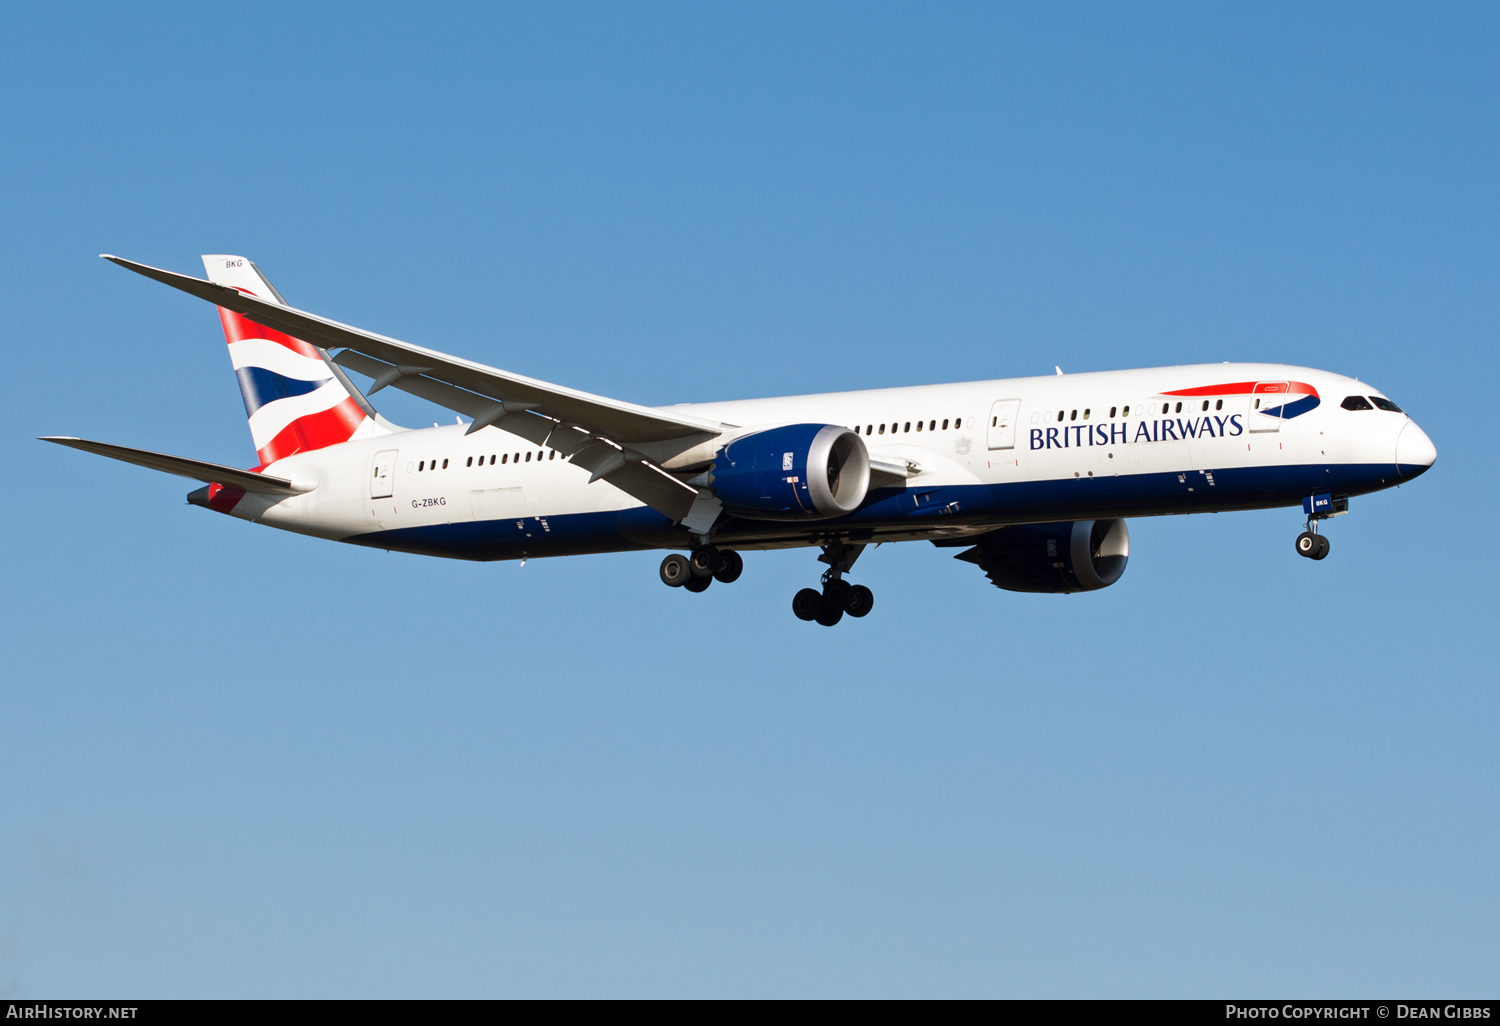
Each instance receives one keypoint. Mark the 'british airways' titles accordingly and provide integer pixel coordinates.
(1180, 429)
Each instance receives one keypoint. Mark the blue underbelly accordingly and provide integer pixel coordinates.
(912, 509)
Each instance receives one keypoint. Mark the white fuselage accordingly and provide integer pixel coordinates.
(1014, 450)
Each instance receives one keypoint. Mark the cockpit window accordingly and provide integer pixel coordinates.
(1385, 404)
(1355, 402)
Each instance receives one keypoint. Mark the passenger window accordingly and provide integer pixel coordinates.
(470, 463)
(492, 459)
(1074, 415)
(528, 457)
(1062, 415)
(932, 425)
(1205, 406)
(422, 466)
(869, 428)
(445, 464)
(1125, 412)
(958, 422)
(505, 458)
(908, 426)
(1085, 414)
(1219, 405)
(882, 429)
(1355, 402)
(1179, 407)
(553, 456)
(1111, 412)
(516, 458)
(856, 429)
(945, 423)
(919, 427)
(1385, 404)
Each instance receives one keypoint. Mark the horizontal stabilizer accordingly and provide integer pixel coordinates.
(196, 470)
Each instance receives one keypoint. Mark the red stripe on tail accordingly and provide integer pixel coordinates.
(223, 498)
(314, 431)
(238, 327)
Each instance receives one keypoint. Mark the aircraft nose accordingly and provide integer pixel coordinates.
(1414, 451)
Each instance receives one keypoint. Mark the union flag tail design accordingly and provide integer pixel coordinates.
(294, 400)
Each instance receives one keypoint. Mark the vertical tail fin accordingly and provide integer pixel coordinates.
(296, 398)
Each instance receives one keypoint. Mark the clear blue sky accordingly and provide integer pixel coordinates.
(239, 762)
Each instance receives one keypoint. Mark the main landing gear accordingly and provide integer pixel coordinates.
(697, 571)
(838, 595)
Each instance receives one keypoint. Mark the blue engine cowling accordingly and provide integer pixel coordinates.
(796, 472)
(1077, 555)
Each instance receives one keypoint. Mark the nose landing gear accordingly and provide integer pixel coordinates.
(838, 595)
(1311, 544)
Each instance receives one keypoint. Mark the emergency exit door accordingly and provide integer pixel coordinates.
(382, 485)
(1002, 429)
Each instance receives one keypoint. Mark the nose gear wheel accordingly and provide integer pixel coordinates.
(1311, 544)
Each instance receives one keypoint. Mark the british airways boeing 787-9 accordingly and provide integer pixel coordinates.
(1032, 478)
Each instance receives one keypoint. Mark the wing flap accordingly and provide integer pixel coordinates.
(195, 470)
(655, 487)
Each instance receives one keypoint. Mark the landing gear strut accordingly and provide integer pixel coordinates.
(707, 564)
(838, 595)
(1311, 544)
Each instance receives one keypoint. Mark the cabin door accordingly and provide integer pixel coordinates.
(382, 473)
(1266, 405)
(1002, 425)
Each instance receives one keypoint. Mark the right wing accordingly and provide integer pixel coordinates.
(196, 470)
(619, 442)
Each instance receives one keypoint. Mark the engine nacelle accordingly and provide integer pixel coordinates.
(1078, 555)
(796, 472)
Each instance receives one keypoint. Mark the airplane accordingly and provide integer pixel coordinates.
(1032, 478)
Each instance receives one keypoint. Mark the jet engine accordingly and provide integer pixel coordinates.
(1077, 555)
(800, 471)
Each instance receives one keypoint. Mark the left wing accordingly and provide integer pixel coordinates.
(620, 442)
